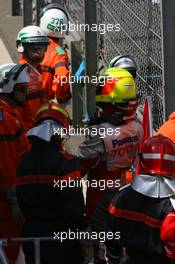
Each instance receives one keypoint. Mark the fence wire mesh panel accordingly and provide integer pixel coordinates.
(139, 36)
(75, 8)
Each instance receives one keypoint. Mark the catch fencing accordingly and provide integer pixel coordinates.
(139, 36)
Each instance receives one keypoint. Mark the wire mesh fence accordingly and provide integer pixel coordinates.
(75, 9)
(139, 36)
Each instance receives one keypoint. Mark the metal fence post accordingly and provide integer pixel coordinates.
(27, 12)
(16, 8)
(168, 26)
(39, 5)
(90, 55)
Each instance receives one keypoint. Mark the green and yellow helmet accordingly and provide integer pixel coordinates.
(115, 85)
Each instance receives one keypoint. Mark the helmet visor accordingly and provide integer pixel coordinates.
(38, 39)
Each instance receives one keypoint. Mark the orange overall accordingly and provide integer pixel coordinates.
(13, 145)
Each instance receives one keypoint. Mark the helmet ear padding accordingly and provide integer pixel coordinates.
(19, 46)
(20, 49)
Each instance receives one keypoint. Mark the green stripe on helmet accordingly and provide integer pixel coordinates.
(43, 39)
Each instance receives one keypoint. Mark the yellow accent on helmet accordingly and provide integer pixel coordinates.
(52, 105)
(116, 85)
(63, 111)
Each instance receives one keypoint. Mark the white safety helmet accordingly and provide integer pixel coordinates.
(12, 74)
(30, 34)
(125, 62)
(54, 21)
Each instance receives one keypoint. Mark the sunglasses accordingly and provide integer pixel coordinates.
(35, 46)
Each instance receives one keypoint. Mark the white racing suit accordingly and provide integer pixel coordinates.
(105, 154)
